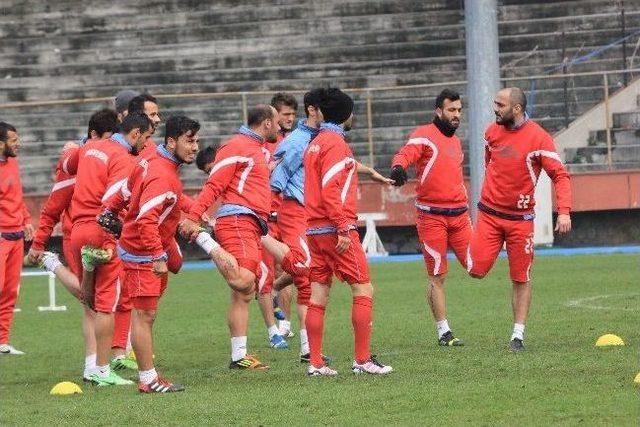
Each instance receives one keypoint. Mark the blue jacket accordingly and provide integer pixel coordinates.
(288, 176)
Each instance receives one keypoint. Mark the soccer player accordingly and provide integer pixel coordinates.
(101, 168)
(330, 195)
(287, 107)
(516, 150)
(15, 228)
(441, 202)
(102, 125)
(148, 237)
(240, 178)
(287, 184)
(147, 105)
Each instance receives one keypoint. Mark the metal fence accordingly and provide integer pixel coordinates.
(384, 117)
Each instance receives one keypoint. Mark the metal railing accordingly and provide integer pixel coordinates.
(386, 115)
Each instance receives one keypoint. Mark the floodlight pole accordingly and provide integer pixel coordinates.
(483, 77)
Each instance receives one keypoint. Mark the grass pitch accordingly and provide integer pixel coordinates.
(560, 379)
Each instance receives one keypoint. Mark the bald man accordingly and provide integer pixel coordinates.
(516, 150)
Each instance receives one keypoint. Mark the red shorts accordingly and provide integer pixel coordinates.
(240, 236)
(350, 266)
(439, 232)
(140, 281)
(107, 285)
(487, 239)
(292, 222)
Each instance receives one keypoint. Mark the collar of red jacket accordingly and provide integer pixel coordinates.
(332, 127)
(246, 131)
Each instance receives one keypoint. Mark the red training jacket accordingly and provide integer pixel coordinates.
(101, 168)
(438, 159)
(56, 208)
(331, 182)
(240, 175)
(13, 212)
(513, 160)
(153, 207)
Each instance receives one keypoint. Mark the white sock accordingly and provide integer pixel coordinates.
(284, 326)
(89, 365)
(304, 342)
(238, 348)
(272, 330)
(103, 371)
(442, 326)
(518, 331)
(206, 242)
(51, 263)
(147, 377)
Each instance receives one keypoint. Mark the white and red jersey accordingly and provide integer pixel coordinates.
(101, 169)
(438, 159)
(514, 159)
(56, 208)
(154, 191)
(239, 176)
(14, 214)
(331, 181)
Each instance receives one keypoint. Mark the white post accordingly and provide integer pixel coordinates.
(371, 242)
(51, 288)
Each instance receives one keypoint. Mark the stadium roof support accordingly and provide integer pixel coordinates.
(483, 76)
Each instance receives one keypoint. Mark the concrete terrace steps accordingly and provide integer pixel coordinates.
(249, 43)
(229, 31)
(543, 9)
(124, 20)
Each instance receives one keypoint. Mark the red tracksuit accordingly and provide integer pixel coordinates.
(330, 196)
(149, 226)
(101, 167)
(514, 159)
(56, 208)
(268, 265)
(13, 217)
(240, 176)
(441, 197)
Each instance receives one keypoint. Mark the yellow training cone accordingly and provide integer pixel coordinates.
(637, 380)
(66, 387)
(608, 340)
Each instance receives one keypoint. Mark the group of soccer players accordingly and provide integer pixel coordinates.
(285, 213)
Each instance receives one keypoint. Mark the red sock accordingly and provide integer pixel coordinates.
(315, 329)
(121, 323)
(361, 314)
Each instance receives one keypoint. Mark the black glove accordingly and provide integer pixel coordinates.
(110, 223)
(399, 175)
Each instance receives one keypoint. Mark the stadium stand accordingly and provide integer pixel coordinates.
(75, 51)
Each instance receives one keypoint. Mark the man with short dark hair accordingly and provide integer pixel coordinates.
(15, 228)
(154, 191)
(287, 106)
(101, 173)
(517, 149)
(441, 199)
(330, 194)
(148, 105)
